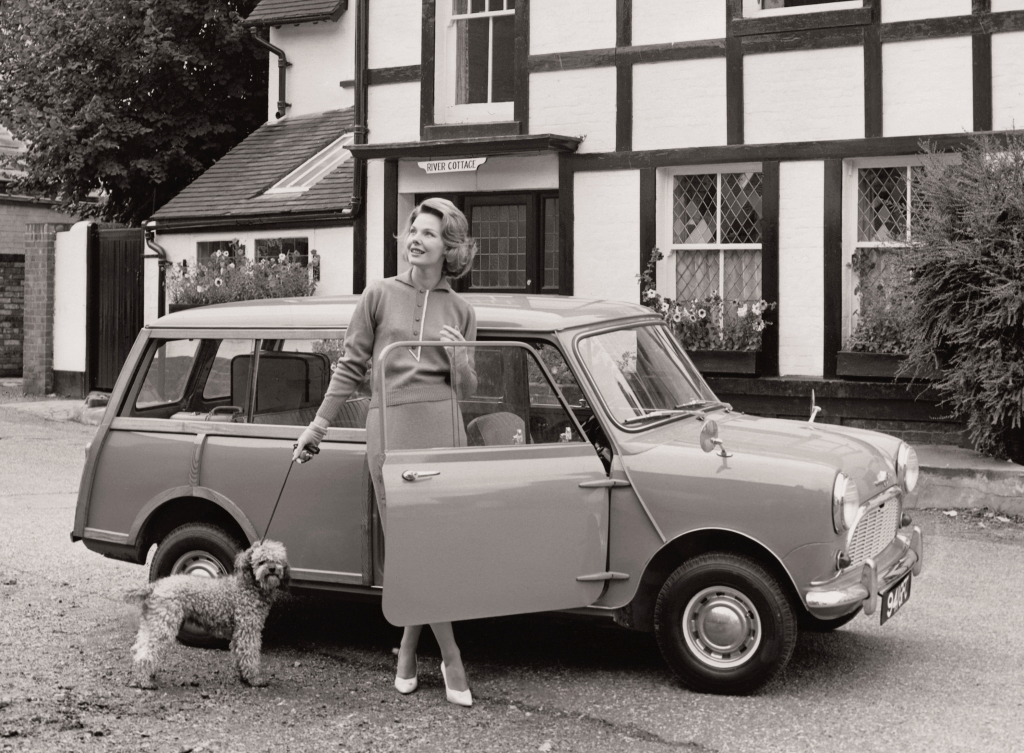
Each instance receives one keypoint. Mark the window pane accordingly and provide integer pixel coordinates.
(697, 274)
(229, 376)
(168, 374)
(459, 7)
(503, 70)
(295, 249)
(205, 249)
(501, 239)
(742, 275)
(694, 209)
(471, 48)
(882, 204)
(551, 255)
(741, 208)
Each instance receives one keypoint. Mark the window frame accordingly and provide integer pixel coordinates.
(753, 9)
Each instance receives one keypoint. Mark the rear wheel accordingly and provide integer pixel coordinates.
(724, 624)
(201, 550)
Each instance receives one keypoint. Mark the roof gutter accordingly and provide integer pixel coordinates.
(282, 65)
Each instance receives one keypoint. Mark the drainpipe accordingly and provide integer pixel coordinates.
(282, 64)
(360, 87)
(161, 255)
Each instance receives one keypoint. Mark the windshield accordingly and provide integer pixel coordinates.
(642, 374)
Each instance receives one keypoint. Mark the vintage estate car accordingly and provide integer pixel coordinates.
(599, 473)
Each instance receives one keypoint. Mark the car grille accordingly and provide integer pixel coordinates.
(874, 531)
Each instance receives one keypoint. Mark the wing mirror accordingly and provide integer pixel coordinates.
(815, 409)
(709, 439)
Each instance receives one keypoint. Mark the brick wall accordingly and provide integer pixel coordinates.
(38, 349)
(12, 301)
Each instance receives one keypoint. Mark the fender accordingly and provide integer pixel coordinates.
(200, 492)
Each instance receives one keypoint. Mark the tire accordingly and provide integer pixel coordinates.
(202, 550)
(813, 624)
(756, 626)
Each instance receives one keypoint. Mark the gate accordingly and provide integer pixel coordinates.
(114, 308)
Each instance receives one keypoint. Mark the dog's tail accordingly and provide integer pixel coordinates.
(139, 595)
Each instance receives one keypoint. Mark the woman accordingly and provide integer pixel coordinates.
(416, 305)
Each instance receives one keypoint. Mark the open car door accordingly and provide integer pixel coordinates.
(508, 522)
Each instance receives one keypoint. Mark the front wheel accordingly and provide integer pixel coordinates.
(200, 550)
(724, 624)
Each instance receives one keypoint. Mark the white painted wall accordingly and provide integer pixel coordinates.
(801, 268)
(374, 219)
(607, 232)
(1008, 81)
(564, 25)
(804, 95)
(393, 113)
(908, 10)
(69, 298)
(679, 104)
(321, 57)
(395, 32)
(999, 6)
(662, 21)
(521, 173)
(575, 103)
(927, 87)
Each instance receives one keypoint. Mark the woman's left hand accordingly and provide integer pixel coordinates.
(459, 356)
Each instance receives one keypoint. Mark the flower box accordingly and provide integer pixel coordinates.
(724, 361)
(879, 365)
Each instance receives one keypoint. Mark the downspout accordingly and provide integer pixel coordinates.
(282, 64)
(359, 107)
(161, 255)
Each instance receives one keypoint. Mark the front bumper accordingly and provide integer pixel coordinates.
(861, 585)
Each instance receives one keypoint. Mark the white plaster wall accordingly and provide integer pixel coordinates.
(607, 231)
(801, 268)
(393, 113)
(927, 87)
(564, 25)
(804, 95)
(679, 104)
(1002, 5)
(575, 103)
(395, 32)
(1008, 81)
(69, 297)
(662, 21)
(321, 56)
(521, 173)
(908, 10)
(374, 219)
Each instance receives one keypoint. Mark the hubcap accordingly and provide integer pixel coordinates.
(721, 627)
(198, 563)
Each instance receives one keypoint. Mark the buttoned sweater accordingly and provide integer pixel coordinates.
(393, 310)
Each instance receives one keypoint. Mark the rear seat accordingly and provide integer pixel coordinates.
(352, 415)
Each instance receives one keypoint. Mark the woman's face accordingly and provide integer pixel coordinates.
(424, 243)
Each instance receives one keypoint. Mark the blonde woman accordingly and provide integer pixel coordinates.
(418, 304)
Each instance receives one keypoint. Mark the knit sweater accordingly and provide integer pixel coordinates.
(393, 310)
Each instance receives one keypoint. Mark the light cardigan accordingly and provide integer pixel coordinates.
(393, 310)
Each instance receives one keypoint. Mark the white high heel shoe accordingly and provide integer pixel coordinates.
(458, 697)
(406, 686)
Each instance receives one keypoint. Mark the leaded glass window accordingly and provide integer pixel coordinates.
(500, 232)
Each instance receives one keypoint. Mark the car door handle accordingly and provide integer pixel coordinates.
(605, 483)
(417, 475)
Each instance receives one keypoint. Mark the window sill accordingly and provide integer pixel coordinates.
(471, 130)
(801, 22)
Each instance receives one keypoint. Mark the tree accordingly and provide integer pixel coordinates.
(966, 264)
(132, 99)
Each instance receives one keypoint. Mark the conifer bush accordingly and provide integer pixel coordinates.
(966, 264)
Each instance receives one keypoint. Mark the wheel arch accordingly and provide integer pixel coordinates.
(639, 613)
(187, 504)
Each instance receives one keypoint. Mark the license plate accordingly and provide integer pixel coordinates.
(894, 598)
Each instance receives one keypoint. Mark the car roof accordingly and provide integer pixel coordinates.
(530, 313)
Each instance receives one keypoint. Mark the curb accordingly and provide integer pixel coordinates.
(954, 477)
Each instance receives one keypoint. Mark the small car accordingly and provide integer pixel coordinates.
(599, 473)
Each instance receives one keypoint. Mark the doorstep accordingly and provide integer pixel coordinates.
(954, 477)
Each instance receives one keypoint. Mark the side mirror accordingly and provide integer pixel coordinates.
(709, 439)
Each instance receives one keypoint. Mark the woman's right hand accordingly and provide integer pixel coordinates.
(308, 438)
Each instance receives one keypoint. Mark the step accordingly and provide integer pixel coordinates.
(955, 477)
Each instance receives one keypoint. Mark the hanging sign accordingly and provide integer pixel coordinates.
(461, 165)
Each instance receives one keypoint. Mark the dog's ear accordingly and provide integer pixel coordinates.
(243, 563)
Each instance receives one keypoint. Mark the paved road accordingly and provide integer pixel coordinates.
(946, 674)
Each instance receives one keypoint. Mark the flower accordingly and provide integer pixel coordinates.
(218, 282)
(741, 312)
(650, 294)
(677, 316)
(702, 313)
(231, 265)
(200, 288)
(282, 258)
(664, 307)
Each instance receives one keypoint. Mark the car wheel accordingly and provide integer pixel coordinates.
(201, 550)
(724, 624)
(813, 624)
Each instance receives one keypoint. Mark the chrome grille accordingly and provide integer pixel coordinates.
(874, 531)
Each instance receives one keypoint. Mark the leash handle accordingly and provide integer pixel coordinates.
(312, 451)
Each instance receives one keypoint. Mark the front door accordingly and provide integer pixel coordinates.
(505, 523)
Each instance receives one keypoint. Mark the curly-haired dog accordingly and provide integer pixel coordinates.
(232, 606)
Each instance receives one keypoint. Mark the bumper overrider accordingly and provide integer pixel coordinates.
(861, 585)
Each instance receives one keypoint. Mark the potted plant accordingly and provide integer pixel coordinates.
(231, 276)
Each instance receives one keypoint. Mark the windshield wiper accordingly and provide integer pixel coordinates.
(700, 405)
(657, 414)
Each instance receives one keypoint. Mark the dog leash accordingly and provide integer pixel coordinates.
(312, 451)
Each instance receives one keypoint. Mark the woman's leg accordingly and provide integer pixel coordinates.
(450, 655)
(407, 652)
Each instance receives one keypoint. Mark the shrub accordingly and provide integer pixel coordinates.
(886, 305)
(231, 276)
(966, 273)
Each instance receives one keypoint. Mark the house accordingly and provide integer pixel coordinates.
(757, 144)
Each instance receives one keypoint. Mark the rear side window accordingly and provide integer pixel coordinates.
(168, 373)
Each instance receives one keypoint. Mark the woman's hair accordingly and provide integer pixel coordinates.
(460, 249)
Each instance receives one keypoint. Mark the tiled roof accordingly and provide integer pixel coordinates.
(275, 12)
(234, 187)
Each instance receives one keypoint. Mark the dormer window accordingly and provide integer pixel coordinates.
(475, 79)
(312, 171)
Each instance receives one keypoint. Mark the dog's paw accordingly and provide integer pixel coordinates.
(259, 681)
(142, 684)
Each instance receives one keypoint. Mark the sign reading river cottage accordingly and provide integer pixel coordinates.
(452, 165)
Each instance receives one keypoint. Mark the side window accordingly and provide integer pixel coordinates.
(292, 378)
(228, 377)
(165, 379)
